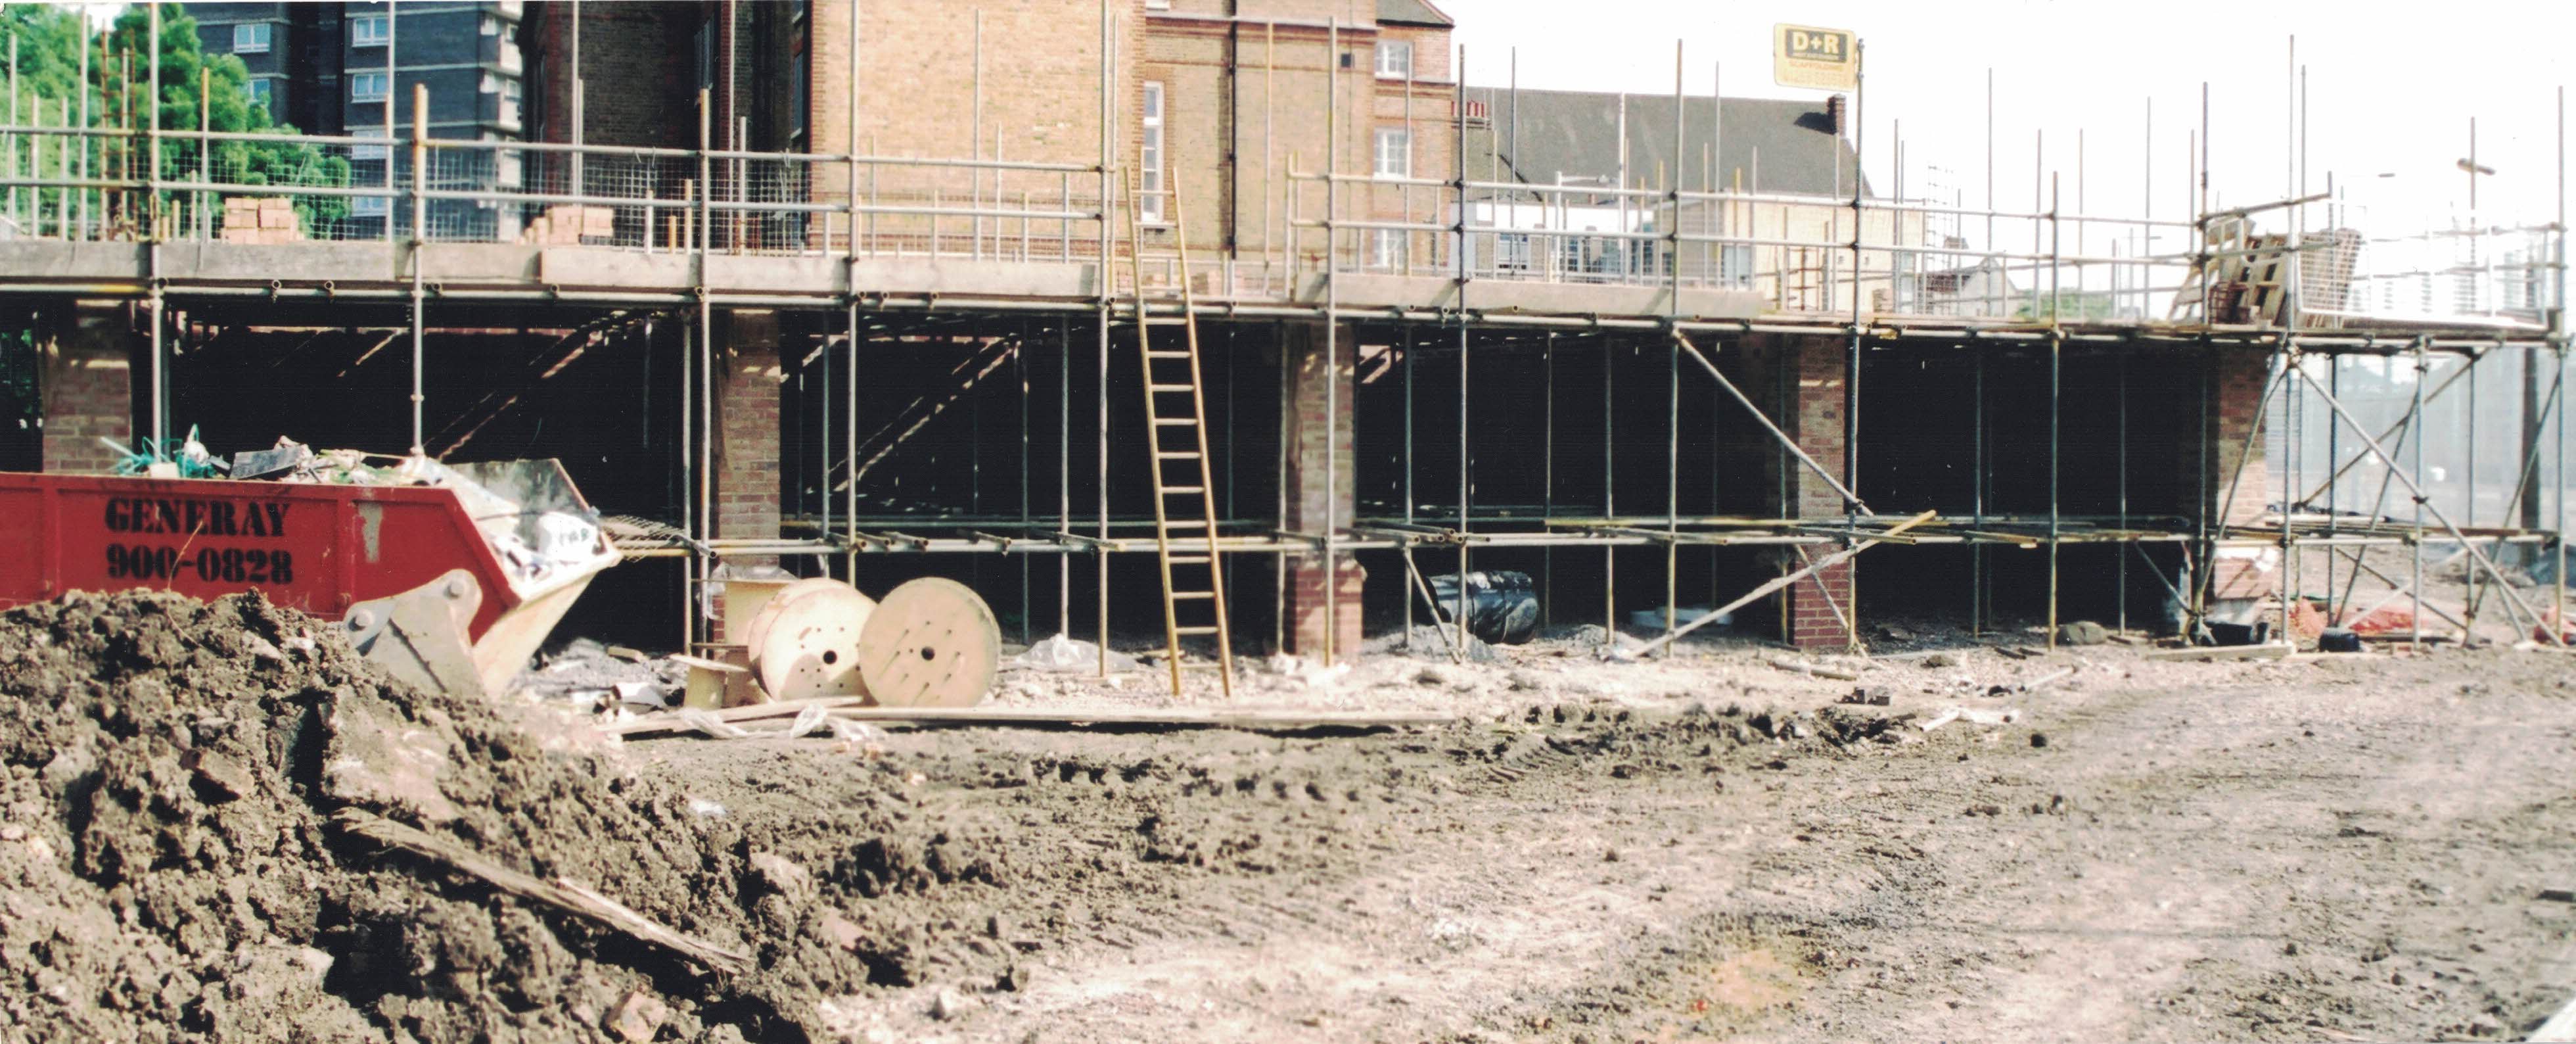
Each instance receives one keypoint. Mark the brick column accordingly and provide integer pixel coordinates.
(88, 390)
(748, 378)
(2231, 436)
(1309, 428)
(1813, 369)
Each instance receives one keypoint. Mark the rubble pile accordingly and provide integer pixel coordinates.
(178, 784)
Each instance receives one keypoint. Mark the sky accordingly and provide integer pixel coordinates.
(2391, 90)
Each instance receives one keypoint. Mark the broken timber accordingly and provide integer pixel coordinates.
(564, 895)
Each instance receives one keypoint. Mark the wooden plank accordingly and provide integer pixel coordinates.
(1171, 717)
(657, 724)
(562, 894)
(2273, 651)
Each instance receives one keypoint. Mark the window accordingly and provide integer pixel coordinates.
(509, 114)
(368, 86)
(491, 84)
(1150, 155)
(251, 37)
(1394, 152)
(367, 152)
(370, 206)
(797, 95)
(508, 165)
(1735, 265)
(1395, 59)
(259, 89)
(706, 44)
(1386, 249)
(491, 26)
(370, 31)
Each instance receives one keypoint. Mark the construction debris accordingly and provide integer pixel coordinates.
(1812, 670)
(1502, 605)
(562, 894)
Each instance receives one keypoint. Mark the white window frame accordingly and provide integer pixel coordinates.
(358, 82)
(1387, 247)
(253, 37)
(509, 114)
(371, 31)
(509, 168)
(260, 89)
(1735, 265)
(370, 206)
(367, 152)
(1395, 59)
(1391, 161)
(491, 26)
(1149, 151)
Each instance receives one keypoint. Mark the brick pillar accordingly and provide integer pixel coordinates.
(1307, 426)
(2236, 395)
(88, 390)
(1812, 370)
(748, 378)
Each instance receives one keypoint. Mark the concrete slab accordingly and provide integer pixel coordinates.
(753, 273)
(627, 269)
(56, 259)
(478, 263)
(951, 276)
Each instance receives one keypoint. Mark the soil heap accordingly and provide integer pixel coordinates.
(170, 867)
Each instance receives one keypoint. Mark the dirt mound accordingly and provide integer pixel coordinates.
(169, 868)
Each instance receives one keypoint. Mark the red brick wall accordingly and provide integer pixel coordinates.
(2237, 395)
(1814, 373)
(746, 453)
(1306, 616)
(1309, 425)
(88, 392)
(746, 467)
(638, 58)
(1811, 616)
(2236, 398)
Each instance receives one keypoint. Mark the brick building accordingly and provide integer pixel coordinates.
(349, 68)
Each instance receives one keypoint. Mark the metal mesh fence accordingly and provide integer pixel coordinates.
(1791, 255)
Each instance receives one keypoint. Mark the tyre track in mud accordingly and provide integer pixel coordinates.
(1577, 872)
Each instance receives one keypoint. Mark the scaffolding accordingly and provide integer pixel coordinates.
(1674, 273)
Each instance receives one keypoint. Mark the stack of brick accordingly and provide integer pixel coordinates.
(572, 224)
(261, 219)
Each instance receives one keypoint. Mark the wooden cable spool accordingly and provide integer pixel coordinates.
(931, 643)
(805, 643)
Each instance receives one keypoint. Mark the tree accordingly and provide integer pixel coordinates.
(49, 41)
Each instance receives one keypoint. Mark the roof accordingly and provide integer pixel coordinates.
(1411, 12)
(1575, 134)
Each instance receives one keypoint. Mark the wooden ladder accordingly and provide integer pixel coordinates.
(1176, 437)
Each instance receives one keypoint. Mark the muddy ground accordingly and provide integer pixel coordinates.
(1714, 849)
(1709, 847)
